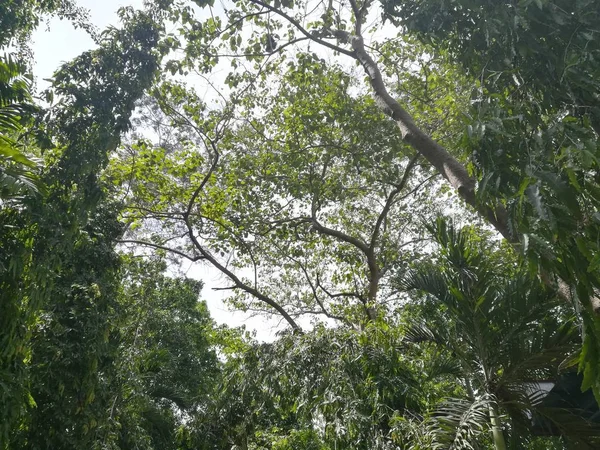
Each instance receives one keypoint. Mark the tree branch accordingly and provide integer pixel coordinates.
(450, 168)
(390, 200)
(339, 294)
(312, 36)
(361, 245)
(239, 283)
(316, 295)
(161, 247)
(210, 258)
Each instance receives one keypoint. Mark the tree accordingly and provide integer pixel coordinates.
(70, 343)
(166, 368)
(493, 319)
(313, 207)
(534, 130)
(19, 18)
(121, 356)
(323, 389)
(519, 211)
(41, 235)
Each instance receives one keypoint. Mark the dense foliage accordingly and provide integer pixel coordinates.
(412, 187)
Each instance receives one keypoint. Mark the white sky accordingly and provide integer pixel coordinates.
(58, 41)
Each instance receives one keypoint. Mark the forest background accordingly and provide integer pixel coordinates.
(411, 187)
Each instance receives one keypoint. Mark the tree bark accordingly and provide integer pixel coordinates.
(497, 434)
(446, 164)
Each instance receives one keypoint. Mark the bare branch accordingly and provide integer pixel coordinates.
(339, 294)
(312, 36)
(161, 247)
(315, 293)
(228, 288)
(359, 244)
(239, 239)
(390, 200)
(200, 187)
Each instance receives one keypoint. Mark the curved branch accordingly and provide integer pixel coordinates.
(390, 200)
(362, 246)
(450, 168)
(239, 239)
(339, 294)
(216, 264)
(197, 191)
(161, 247)
(316, 295)
(416, 188)
(312, 36)
(236, 281)
(358, 243)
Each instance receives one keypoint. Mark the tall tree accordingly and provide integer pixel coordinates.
(312, 207)
(529, 210)
(533, 130)
(41, 235)
(166, 369)
(493, 318)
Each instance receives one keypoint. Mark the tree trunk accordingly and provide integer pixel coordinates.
(497, 434)
(446, 164)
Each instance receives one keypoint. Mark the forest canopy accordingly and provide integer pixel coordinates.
(411, 187)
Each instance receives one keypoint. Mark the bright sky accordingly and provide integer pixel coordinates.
(59, 42)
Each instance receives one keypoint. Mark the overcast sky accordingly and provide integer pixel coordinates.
(58, 41)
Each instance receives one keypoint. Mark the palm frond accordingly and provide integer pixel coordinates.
(17, 170)
(15, 85)
(444, 366)
(428, 280)
(418, 332)
(569, 422)
(456, 244)
(458, 423)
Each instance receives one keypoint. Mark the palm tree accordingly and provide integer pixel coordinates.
(17, 170)
(505, 331)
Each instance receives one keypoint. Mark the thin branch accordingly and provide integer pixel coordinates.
(153, 213)
(239, 239)
(261, 54)
(161, 247)
(228, 288)
(301, 312)
(239, 283)
(312, 36)
(315, 293)
(390, 200)
(235, 22)
(196, 193)
(361, 245)
(416, 188)
(339, 294)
